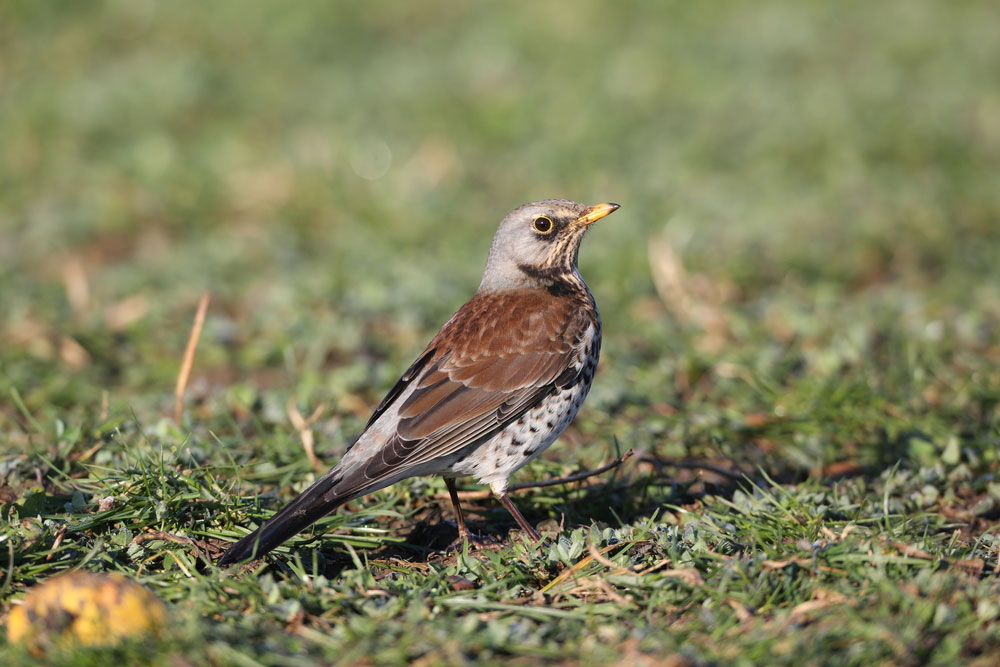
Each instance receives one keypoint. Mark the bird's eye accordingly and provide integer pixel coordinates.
(542, 225)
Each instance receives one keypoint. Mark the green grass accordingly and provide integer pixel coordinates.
(822, 176)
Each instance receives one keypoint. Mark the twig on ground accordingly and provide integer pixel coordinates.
(578, 476)
(646, 457)
(481, 494)
(192, 344)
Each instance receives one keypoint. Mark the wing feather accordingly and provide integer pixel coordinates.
(476, 378)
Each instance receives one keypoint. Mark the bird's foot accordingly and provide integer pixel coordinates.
(474, 541)
(549, 529)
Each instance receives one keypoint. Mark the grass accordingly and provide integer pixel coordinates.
(800, 297)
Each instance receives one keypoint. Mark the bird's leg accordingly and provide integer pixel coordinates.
(463, 531)
(516, 513)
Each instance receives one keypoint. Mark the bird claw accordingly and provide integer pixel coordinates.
(474, 541)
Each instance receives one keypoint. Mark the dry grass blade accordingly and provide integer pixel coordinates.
(192, 345)
(971, 566)
(57, 542)
(689, 575)
(694, 299)
(578, 566)
(743, 613)
(598, 555)
(302, 425)
(77, 287)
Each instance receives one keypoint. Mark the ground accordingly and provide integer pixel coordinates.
(800, 295)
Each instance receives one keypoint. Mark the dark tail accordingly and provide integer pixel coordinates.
(310, 506)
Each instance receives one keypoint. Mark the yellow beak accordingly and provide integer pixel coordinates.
(595, 213)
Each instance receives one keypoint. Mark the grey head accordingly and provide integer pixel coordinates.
(536, 240)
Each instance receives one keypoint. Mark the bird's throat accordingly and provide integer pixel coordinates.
(558, 280)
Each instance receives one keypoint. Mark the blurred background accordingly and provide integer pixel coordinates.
(804, 267)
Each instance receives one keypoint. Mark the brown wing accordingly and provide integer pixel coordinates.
(489, 364)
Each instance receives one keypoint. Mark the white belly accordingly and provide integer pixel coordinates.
(521, 441)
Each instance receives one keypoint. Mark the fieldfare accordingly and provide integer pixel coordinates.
(496, 386)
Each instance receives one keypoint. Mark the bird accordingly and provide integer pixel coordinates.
(500, 381)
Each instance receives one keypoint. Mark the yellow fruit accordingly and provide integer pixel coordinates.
(84, 608)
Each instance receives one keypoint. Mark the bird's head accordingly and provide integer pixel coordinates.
(539, 239)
